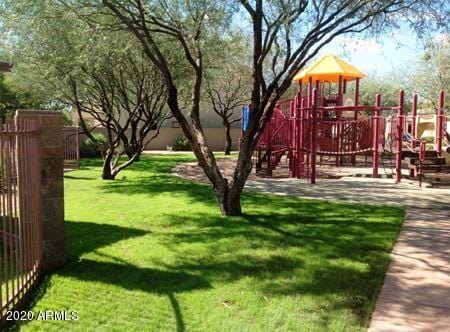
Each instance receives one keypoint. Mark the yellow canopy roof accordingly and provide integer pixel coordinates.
(328, 69)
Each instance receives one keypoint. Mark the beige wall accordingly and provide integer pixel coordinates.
(214, 136)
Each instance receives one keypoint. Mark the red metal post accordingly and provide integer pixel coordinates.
(338, 117)
(310, 89)
(301, 139)
(299, 93)
(414, 118)
(398, 156)
(314, 137)
(319, 92)
(413, 127)
(357, 92)
(440, 123)
(376, 136)
(293, 139)
(355, 118)
(298, 130)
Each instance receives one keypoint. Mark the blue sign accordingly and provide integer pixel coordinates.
(245, 117)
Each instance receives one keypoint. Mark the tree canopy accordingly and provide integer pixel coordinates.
(433, 71)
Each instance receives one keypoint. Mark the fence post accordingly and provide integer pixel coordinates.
(398, 157)
(52, 185)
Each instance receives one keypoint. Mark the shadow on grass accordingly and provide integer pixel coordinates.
(131, 277)
(77, 177)
(85, 237)
(288, 246)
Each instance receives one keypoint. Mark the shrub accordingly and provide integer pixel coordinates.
(91, 149)
(181, 144)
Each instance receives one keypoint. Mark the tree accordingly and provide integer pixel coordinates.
(226, 95)
(106, 77)
(285, 35)
(13, 97)
(386, 85)
(126, 97)
(433, 71)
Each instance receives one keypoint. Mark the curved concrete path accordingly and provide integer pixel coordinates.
(357, 190)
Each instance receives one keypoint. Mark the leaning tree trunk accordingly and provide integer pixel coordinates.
(228, 141)
(107, 172)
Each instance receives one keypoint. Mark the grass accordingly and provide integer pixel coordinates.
(150, 251)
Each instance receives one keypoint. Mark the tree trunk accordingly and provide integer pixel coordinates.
(229, 195)
(227, 138)
(229, 200)
(107, 173)
(132, 152)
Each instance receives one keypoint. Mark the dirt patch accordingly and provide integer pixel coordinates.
(192, 171)
(325, 170)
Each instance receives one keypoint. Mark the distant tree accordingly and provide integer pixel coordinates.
(13, 98)
(387, 85)
(433, 71)
(8, 99)
(227, 95)
(126, 98)
(104, 76)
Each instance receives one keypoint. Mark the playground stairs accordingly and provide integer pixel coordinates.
(432, 167)
(269, 161)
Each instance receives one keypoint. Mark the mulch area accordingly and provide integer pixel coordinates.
(326, 170)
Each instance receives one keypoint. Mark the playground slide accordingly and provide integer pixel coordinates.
(446, 149)
(426, 129)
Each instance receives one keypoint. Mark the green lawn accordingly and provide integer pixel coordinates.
(150, 251)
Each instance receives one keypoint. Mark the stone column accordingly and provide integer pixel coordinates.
(52, 184)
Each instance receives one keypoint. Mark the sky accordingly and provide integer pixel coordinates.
(395, 52)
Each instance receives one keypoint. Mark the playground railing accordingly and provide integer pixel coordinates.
(417, 145)
(357, 108)
(284, 106)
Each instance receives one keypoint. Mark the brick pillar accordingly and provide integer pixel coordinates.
(52, 184)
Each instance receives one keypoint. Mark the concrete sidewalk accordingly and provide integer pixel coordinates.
(416, 291)
(357, 190)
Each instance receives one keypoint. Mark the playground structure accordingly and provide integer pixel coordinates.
(320, 121)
